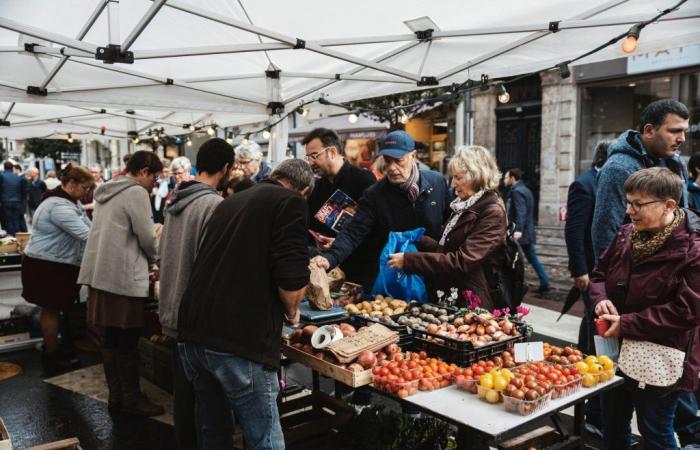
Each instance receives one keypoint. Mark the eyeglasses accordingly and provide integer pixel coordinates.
(637, 206)
(243, 162)
(314, 156)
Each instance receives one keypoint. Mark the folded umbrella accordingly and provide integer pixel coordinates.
(571, 298)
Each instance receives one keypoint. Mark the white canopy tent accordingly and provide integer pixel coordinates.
(242, 60)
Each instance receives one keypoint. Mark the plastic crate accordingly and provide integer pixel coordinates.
(562, 390)
(461, 353)
(14, 325)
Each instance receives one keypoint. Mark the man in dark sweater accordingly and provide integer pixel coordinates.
(324, 153)
(249, 274)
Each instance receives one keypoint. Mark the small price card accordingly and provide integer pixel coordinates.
(529, 351)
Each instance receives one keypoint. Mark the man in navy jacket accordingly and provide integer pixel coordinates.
(13, 193)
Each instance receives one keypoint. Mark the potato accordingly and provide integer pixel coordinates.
(394, 304)
(399, 310)
(367, 306)
(376, 314)
(377, 307)
(387, 311)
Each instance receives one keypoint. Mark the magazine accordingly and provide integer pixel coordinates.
(338, 210)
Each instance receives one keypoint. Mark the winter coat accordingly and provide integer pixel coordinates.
(122, 240)
(659, 297)
(474, 241)
(521, 212)
(13, 187)
(580, 204)
(185, 221)
(60, 229)
(626, 155)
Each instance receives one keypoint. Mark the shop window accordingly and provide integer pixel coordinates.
(690, 96)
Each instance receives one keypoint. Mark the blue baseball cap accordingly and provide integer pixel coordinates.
(396, 144)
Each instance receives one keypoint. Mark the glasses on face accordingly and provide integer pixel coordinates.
(243, 162)
(314, 156)
(178, 174)
(637, 206)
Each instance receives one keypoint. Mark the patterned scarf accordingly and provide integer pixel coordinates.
(458, 206)
(410, 186)
(646, 243)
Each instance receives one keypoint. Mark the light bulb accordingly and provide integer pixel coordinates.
(229, 141)
(304, 112)
(403, 119)
(352, 118)
(155, 138)
(189, 143)
(629, 45)
(504, 98)
(210, 131)
(136, 140)
(192, 128)
(245, 141)
(70, 138)
(266, 134)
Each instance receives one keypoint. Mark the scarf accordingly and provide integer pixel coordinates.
(646, 243)
(458, 206)
(410, 186)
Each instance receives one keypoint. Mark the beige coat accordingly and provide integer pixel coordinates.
(122, 240)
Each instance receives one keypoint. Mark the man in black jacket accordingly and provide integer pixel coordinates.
(405, 199)
(250, 273)
(324, 153)
(521, 211)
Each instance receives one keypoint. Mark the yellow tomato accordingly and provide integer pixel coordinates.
(588, 380)
(486, 381)
(494, 372)
(594, 368)
(591, 359)
(606, 362)
(499, 383)
(582, 367)
(507, 374)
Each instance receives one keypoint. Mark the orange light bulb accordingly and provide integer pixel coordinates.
(629, 45)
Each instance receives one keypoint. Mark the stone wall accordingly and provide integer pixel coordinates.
(484, 107)
(558, 145)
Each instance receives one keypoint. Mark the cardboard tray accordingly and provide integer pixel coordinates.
(352, 379)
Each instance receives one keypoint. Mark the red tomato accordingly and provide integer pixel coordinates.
(384, 371)
(422, 355)
(478, 371)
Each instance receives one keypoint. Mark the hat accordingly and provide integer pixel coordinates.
(397, 144)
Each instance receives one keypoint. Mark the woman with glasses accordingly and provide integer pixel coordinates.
(52, 259)
(647, 285)
(249, 162)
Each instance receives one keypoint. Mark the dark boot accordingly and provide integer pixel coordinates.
(55, 361)
(133, 400)
(109, 360)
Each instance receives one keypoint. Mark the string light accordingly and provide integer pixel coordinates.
(245, 140)
(404, 118)
(136, 140)
(178, 140)
(70, 138)
(189, 142)
(629, 45)
(352, 118)
(229, 138)
(266, 134)
(503, 95)
(210, 131)
(155, 138)
(192, 128)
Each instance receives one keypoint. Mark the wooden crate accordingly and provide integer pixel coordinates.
(310, 420)
(352, 379)
(65, 444)
(5, 441)
(157, 363)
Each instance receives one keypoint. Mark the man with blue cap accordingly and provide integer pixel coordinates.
(405, 199)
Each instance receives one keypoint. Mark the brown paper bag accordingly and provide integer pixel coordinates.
(336, 278)
(317, 291)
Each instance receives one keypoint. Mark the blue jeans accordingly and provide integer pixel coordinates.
(687, 422)
(13, 215)
(531, 255)
(224, 381)
(655, 416)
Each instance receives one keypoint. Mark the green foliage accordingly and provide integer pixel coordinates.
(377, 429)
(52, 148)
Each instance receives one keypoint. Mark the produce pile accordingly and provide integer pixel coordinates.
(404, 374)
(381, 308)
(565, 356)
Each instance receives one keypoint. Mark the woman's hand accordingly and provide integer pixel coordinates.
(396, 261)
(614, 330)
(605, 307)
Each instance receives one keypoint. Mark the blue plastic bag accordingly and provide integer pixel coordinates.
(397, 283)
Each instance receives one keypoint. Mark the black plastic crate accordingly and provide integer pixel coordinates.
(14, 325)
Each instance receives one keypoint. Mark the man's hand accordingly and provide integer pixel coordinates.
(321, 262)
(323, 242)
(396, 261)
(292, 319)
(614, 330)
(606, 307)
(517, 235)
(582, 282)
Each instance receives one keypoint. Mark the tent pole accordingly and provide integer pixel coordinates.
(341, 76)
(113, 22)
(277, 144)
(46, 35)
(9, 110)
(143, 23)
(208, 50)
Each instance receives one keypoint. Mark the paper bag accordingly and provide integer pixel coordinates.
(317, 291)
(336, 278)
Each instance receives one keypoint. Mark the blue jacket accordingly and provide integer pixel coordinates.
(385, 207)
(521, 211)
(263, 173)
(693, 195)
(626, 155)
(13, 188)
(580, 205)
(60, 230)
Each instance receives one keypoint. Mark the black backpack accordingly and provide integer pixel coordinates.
(507, 285)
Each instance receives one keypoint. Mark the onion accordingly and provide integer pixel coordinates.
(367, 359)
(296, 335)
(392, 348)
(354, 367)
(307, 332)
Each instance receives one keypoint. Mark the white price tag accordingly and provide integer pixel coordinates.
(529, 351)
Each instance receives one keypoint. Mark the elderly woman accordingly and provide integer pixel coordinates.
(122, 242)
(249, 162)
(52, 258)
(471, 237)
(181, 169)
(647, 285)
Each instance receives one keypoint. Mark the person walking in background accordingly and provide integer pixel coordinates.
(186, 218)
(35, 191)
(88, 201)
(122, 241)
(694, 182)
(249, 161)
(580, 204)
(51, 181)
(521, 212)
(51, 261)
(12, 197)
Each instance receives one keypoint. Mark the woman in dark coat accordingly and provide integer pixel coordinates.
(473, 235)
(647, 285)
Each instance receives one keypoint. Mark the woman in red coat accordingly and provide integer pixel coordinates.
(471, 237)
(647, 285)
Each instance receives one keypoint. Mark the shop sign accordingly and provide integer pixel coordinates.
(664, 59)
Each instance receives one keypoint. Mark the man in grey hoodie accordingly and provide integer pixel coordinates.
(656, 144)
(185, 223)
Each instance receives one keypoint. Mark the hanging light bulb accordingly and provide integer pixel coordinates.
(629, 45)
(70, 138)
(155, 138)
(266, 134)
(189, 142)
(404, 118)
(245, 140)
(210, 131)
(178, 140)
(304, 112)
(136, 140)
(352, 118)
(503, 95)
(229, 139)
